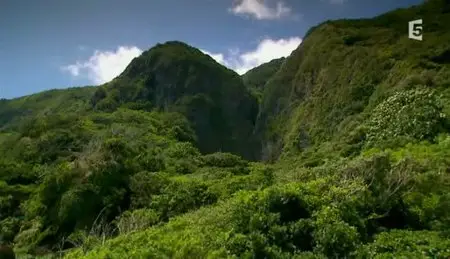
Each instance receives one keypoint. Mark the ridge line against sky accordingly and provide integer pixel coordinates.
(103, 66)
(52, 44)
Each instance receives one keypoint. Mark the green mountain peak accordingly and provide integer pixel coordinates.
(177, 77)
(350, 133)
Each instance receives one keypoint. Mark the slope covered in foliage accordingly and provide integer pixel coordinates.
(63, 175)
(380, 205)
(73, 161)
(333, 84)
(176, 77)
(256, 78)
(355, 120)
(364, 158)
(74, 99)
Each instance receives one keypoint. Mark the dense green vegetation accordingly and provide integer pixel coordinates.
(74, 99)
(354, 158)
(344, 69)
(177, 77)
(256, 78)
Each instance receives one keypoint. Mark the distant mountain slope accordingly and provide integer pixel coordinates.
(74, 99)
(344, 69)
(256, 78)
(175, 76)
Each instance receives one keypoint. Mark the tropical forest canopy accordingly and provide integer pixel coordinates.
(341, 150)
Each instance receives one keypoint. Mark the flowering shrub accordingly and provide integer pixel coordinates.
(414, 114)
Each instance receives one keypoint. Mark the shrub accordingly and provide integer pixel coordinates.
(413, 114)
(181, 195)
(144, 186)
(224, 160)
(406, 244)
(136, 220)
(9, 227)
(334, 237)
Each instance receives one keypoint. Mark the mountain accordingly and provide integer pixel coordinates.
(345, 69)
(354, 136)
(176, 77)
(256, 78)
(75, 99)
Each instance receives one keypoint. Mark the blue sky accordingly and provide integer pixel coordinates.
(62, 43)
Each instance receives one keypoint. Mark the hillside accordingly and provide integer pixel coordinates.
(256, 78)
(69, 158)
(344, 70)
(74, 99)
(354, 151)
(176, 77)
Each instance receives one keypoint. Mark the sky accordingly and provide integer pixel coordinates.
(51, 44)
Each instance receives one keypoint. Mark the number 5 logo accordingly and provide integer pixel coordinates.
(416, 30)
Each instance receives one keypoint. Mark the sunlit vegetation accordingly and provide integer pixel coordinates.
(351, 143)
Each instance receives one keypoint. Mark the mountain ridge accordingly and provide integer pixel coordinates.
(377, 46)
(175, 76)
(350, 133)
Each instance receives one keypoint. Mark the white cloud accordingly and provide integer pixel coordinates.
(103, 66)
(217, 57)
(73, 69)
(266, 50)
(260, 9)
